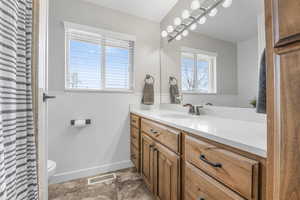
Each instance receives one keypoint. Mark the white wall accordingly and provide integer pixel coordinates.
(105, 144)
(261, 34)
(247, 71)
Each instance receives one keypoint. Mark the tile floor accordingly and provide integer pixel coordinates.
(127, 186)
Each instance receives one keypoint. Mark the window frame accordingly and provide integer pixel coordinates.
(94, 35)
(206, 55)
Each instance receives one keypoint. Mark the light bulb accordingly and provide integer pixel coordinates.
(202, 20)
(178, 37)
(213, 12)
(185, 14)
(227, 3)
(193, 27)
(185, 33)
(164, 34)
(170, 29)
(177, 21)
(195, 5)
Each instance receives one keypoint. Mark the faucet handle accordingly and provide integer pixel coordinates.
(198, 109)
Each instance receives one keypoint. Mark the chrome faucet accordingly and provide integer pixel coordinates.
(194, 110)
(191, 108)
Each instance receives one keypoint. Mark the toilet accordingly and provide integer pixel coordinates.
(51, 166)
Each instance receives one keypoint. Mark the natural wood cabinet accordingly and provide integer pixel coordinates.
(163, 134)
(227, 167)
(200, 186)
(160, 164)
(166, 173)
(135, 156)
(283, 91)
(181, 166)
(135, 141)
(147, 160)
(135, 121)
(287, 19)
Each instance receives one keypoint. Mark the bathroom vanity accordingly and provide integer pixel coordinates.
(190, 158)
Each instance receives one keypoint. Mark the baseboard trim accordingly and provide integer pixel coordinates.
(67, 176)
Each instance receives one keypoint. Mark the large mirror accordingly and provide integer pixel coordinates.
(218, 62)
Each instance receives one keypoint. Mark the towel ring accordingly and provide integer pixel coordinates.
(173, 80)
(149, 77)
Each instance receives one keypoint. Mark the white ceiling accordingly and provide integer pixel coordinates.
(154, 10)
(237, 23)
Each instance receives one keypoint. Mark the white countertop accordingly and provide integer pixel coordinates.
(249, 136)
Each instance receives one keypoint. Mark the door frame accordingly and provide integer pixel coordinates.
(41, 13)
(273, 93)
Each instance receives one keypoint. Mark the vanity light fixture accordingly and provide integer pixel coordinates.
(164, 34)
(178, 37)
(185, 14)
(198, 14)
(213, 12)
(170, 29)
(202, 20)
(185, 33)
(193, 27)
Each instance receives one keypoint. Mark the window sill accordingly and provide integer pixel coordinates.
(99, 91)
(199, 93)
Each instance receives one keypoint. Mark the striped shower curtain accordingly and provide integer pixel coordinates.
(18, 170)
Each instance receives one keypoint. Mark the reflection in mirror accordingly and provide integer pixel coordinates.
(218, 62)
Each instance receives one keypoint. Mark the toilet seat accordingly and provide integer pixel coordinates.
(51, 167)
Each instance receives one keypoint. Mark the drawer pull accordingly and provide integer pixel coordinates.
(153, 131)
(201, 198)
(215, 165)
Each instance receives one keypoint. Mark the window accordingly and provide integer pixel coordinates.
(98, 59)
(198, 71)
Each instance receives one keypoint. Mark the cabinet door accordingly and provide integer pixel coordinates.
(166, 173)
(287, 19)
(147, 148)
(283, 99)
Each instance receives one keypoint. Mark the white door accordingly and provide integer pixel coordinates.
(42, 105)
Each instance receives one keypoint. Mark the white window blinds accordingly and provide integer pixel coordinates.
(119, 62)
(99, 62)
(84, 70)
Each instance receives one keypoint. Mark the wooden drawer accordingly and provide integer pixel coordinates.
(165, 135)
(135, 135)
(199, 186)
(135, 156)
(236, 171)
(135, 121)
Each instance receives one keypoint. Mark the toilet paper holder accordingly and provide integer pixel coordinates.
(87, 122)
